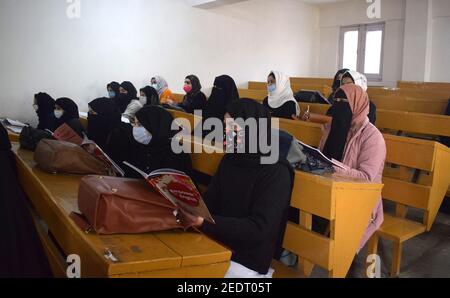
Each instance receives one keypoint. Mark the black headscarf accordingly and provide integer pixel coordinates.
(114, 86)
(45, 112)
(100, 126)
(223, 93)
(245, 109)
(196, 86)
(158, 122)
(152, 96)
(337, 79)
(21, 252)
(132, 92)
(70, 110)
(340, 127)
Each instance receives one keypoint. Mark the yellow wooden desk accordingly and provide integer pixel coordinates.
(13, 137)
(172, 254)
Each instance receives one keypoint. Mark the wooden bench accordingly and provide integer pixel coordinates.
(324, 89)
(441, 96)
(312, 81)
(347, 203)
(13, 137)
(171, 254)
(426, 86)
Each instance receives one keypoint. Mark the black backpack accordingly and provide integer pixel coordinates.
(30, 137)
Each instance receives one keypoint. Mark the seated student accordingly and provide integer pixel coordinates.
(44, 105)
(194, 99)
(337, 83)
(103, 117)
(248, 201)
(21, 252)
(113, 90)
(281, 102)
(161, 86)
(127, 92)
(356, 143)
(152, 130)
(148, 97)
(224, 92)
(66, 112)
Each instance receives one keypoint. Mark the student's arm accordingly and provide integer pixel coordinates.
(317, 118)
(272, 198)
(372, 156)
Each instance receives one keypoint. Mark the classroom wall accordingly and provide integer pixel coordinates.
(43, 50)
(440, 49)
(336, 15)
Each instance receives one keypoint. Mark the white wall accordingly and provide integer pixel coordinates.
(440, 51)
(353, 12)
(42, 50)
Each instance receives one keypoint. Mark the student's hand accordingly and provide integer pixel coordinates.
(190, 219)
(306, 116)
(170, 101)
(294, 117)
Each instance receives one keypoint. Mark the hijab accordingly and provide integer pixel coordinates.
(152, 96)
(250, 109)
(132, 92)
(5, 143)
(224, 92)
(161, 85)
(70, 110)
(347, 114)
(114, 86)
(338, 78)
(196, 86)
(283, 92)
(358, 78)
(100, 126)
(45, 112)
(158, 122)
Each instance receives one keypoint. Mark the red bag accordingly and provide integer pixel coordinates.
(123, 206)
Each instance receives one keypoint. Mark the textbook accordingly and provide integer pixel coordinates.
(178, 188)
(13, 125)
(318, 155)
(312, 96)
(67, 134)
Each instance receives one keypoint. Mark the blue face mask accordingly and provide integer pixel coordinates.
(111, 94)
(141, 135)
(271, 88)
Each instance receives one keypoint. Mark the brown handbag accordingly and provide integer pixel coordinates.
(111, 205)
(62, 157)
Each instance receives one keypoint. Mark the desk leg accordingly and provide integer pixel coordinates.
(306, 222)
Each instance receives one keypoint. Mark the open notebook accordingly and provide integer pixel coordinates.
(317, 154)
(178, 188)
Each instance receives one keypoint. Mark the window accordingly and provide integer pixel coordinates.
(361, 49)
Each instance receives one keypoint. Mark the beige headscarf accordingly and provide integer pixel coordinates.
(283, 92)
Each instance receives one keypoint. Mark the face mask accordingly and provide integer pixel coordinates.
(187, 88)
(36, 107)
(58, 113)
(141, 135)
(155, 86)
(143, 100)
(111, 94)
(271, 88)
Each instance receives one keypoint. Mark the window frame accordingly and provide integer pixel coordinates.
(361, 52)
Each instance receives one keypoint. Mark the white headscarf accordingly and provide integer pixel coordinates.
(359, 79)
(283, 92)
(161, 85)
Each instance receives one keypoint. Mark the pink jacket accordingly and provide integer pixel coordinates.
(364, 158)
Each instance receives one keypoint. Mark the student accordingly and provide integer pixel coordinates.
(103, 117)
(337, 83)
(127, 93)
(248, 201)
(44, 105)
(194, 98)
(161, 86)
(148, 97)
(21, 252)
(444, 139)
(113, 90)
(152, 130)
(66, 112)
(281, 102)
(356, 143)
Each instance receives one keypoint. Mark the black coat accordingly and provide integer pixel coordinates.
(285, 111)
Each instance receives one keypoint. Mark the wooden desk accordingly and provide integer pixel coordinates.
(13, 137)
(172, 254)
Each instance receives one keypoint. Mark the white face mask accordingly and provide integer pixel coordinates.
(143, 100)
(58, 113)
(36, 107)
(155, 86)
(141, 135)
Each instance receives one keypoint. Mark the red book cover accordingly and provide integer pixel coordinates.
(179, 189)
(67, 134)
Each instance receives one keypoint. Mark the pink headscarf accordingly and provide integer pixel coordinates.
(359, 102)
